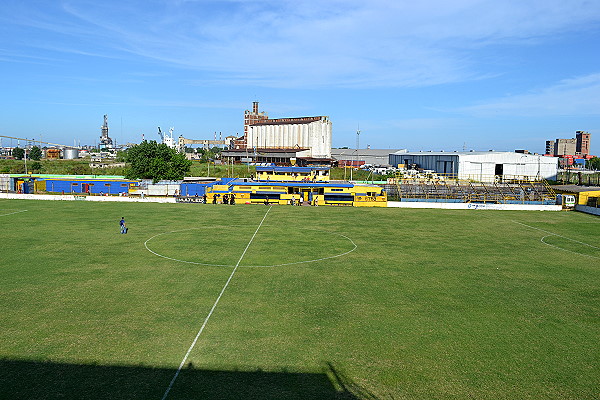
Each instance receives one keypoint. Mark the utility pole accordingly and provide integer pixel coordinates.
(357, 147)
(357, 144)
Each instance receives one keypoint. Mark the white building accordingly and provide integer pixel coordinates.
(481, 165)
(310, 133)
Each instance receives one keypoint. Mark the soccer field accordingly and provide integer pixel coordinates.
(260, 302)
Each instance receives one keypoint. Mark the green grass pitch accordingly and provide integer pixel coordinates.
(399, 304)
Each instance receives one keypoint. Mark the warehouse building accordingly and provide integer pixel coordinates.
(358, 157)
(480, 165)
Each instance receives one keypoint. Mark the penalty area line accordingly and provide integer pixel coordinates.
(570, 251)
(563, 237)
(556, 234)
(212, 309)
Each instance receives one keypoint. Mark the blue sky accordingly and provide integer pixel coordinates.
(428, 75)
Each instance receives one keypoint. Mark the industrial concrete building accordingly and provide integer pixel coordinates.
(105, 140)
(312, 133)
(304, 137)
(481, 165)
(253, 117)
(563, 147)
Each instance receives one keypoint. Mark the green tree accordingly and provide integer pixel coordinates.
(35, 153)
(18, 153)
(121, 156)
(150, 160)
(36, 166)
(594, 163)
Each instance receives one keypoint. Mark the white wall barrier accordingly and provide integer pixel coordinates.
(397, 204)
(475, 206)
(70, 197)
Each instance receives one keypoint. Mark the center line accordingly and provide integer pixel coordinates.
(212, 309)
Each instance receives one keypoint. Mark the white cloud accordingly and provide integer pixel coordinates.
(285, 43)
(577, 96)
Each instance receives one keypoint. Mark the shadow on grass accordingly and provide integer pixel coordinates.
(47, 380)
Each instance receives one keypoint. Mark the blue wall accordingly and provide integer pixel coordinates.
(95, 186)
(192, 189)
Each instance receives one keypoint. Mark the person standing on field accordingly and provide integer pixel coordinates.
(123, 225)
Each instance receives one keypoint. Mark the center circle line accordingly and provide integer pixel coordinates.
(250, 266)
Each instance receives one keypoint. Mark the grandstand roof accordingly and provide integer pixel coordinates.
(293, 184)
(290, 169)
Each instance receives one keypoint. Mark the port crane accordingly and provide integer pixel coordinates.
(167, 139)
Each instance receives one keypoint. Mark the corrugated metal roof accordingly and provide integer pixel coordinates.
(287, 121)
(290, 169)
(337, 153)
(250, 151)
(575, 188)
(294, 184)
(464, 153)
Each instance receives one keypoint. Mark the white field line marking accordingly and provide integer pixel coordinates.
(175, 259)
(212, 309)
(556, 234)
(251, 266)
(309, 261)
(560, 248)
(16, 212)
(560, 236)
